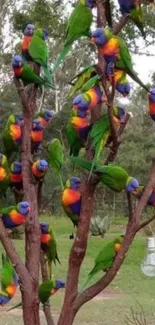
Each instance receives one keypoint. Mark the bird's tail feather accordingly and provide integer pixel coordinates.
(61, 181)
(61, 56)
(90, 276)
(81, 162)
(136, 79)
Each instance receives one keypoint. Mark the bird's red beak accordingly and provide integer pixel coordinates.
(92, 40)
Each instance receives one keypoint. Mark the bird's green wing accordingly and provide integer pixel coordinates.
(56, 157)
(38, 50)
(7, 272)
(138, 18)
(81, 79)
(6, 210)
(45, 290)
(74, 142)
(53, 247)
(90, 83)
(114, 176)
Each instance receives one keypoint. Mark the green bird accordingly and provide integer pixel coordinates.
(9, 278)
(111, 175)
(115, 51)
(101, 131)
(81, 78)
(39, 52)
(78, 25)
(49, 288)
(56, 157)
(49, 245)
(12, 134)
(23, 71)
(105, 258)
(4, 174)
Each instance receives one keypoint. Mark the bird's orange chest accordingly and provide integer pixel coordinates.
(15, 178)
(18, 71)
(37, 136)
(15, 132)
(110, 48)
(45, 238)
(16, 217)
(2, 174)
(26, 42)
(70, 197)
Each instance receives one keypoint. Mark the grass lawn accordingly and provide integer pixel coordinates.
(110, 307)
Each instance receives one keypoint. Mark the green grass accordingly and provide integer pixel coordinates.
(129, 286)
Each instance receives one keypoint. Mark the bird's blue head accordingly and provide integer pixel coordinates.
(73, 183)
(17, 61)
(29, 30)
(90, 3)
(44, 227)
(4, 299)
(98, 37)
(132, 185)
(24, 208)
(119, 112)
(45, 35)
(48, 115)
(124, 89)
(43, 165)
(37, 125)
(152, 95)
(81, 102)
(60, 284)
(19, 119)
(16, 168)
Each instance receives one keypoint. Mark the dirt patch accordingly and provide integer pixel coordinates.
(108, 294)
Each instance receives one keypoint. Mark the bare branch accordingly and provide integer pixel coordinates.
(145, 223)
(130, 208)
(119, 26)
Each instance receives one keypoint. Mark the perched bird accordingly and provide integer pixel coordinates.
(77, 131)
(115, 51)
(55, 157)
(4, 174)
(49, 245)
(37, 134)
(14, 216)
(112, 175)
(88, 99)
(133, 7)
(28, 33)
(78, 25)
(23, 71)
(121, 82)
(44, 117)
(9, 278)
(49, 288)
(39, 168)
(12, 134)
(151, 96)
(4, 298)
(71, 199)
(16, 177)
(139, 193)
(101, 132)
(38, 51)
(105, 258)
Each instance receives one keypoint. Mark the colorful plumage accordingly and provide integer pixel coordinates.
(37, 134)
(151, 96)
(81, 78)
(133, 7)
(12, 134)
(78, 25)
(77, 131)
(14, 216)
(9, 281)
(88, 99)
(105, 258)
(56, 157)
(39, 168)
(44, 117)
(49, 288)
(101, 131)
(23, 71)
(71, 199)
(28, 33)
(121, 82)
(4, 174)
(16, 177)
(139, 193)
(114, 50)
(49, 245)
(112, 175)
(38, 51)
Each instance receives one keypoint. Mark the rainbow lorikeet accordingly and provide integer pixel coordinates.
(71, 199)
(88, 99)
(44, 117)
(112, 175)
(115, 51)
(78, 25)
(4, 174)
(12, 134)
(133, 7)
(28, 33)
(9, 278)
(39, 168)
(105, 258)
(101, 132)
(37, 134)
(55, 157)
(38, 51)
(23, 71)
(121, 82)
(49, 245)
(139, 193)
(152, 103)
(16, 177)
(14, 216)
(77, 130)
